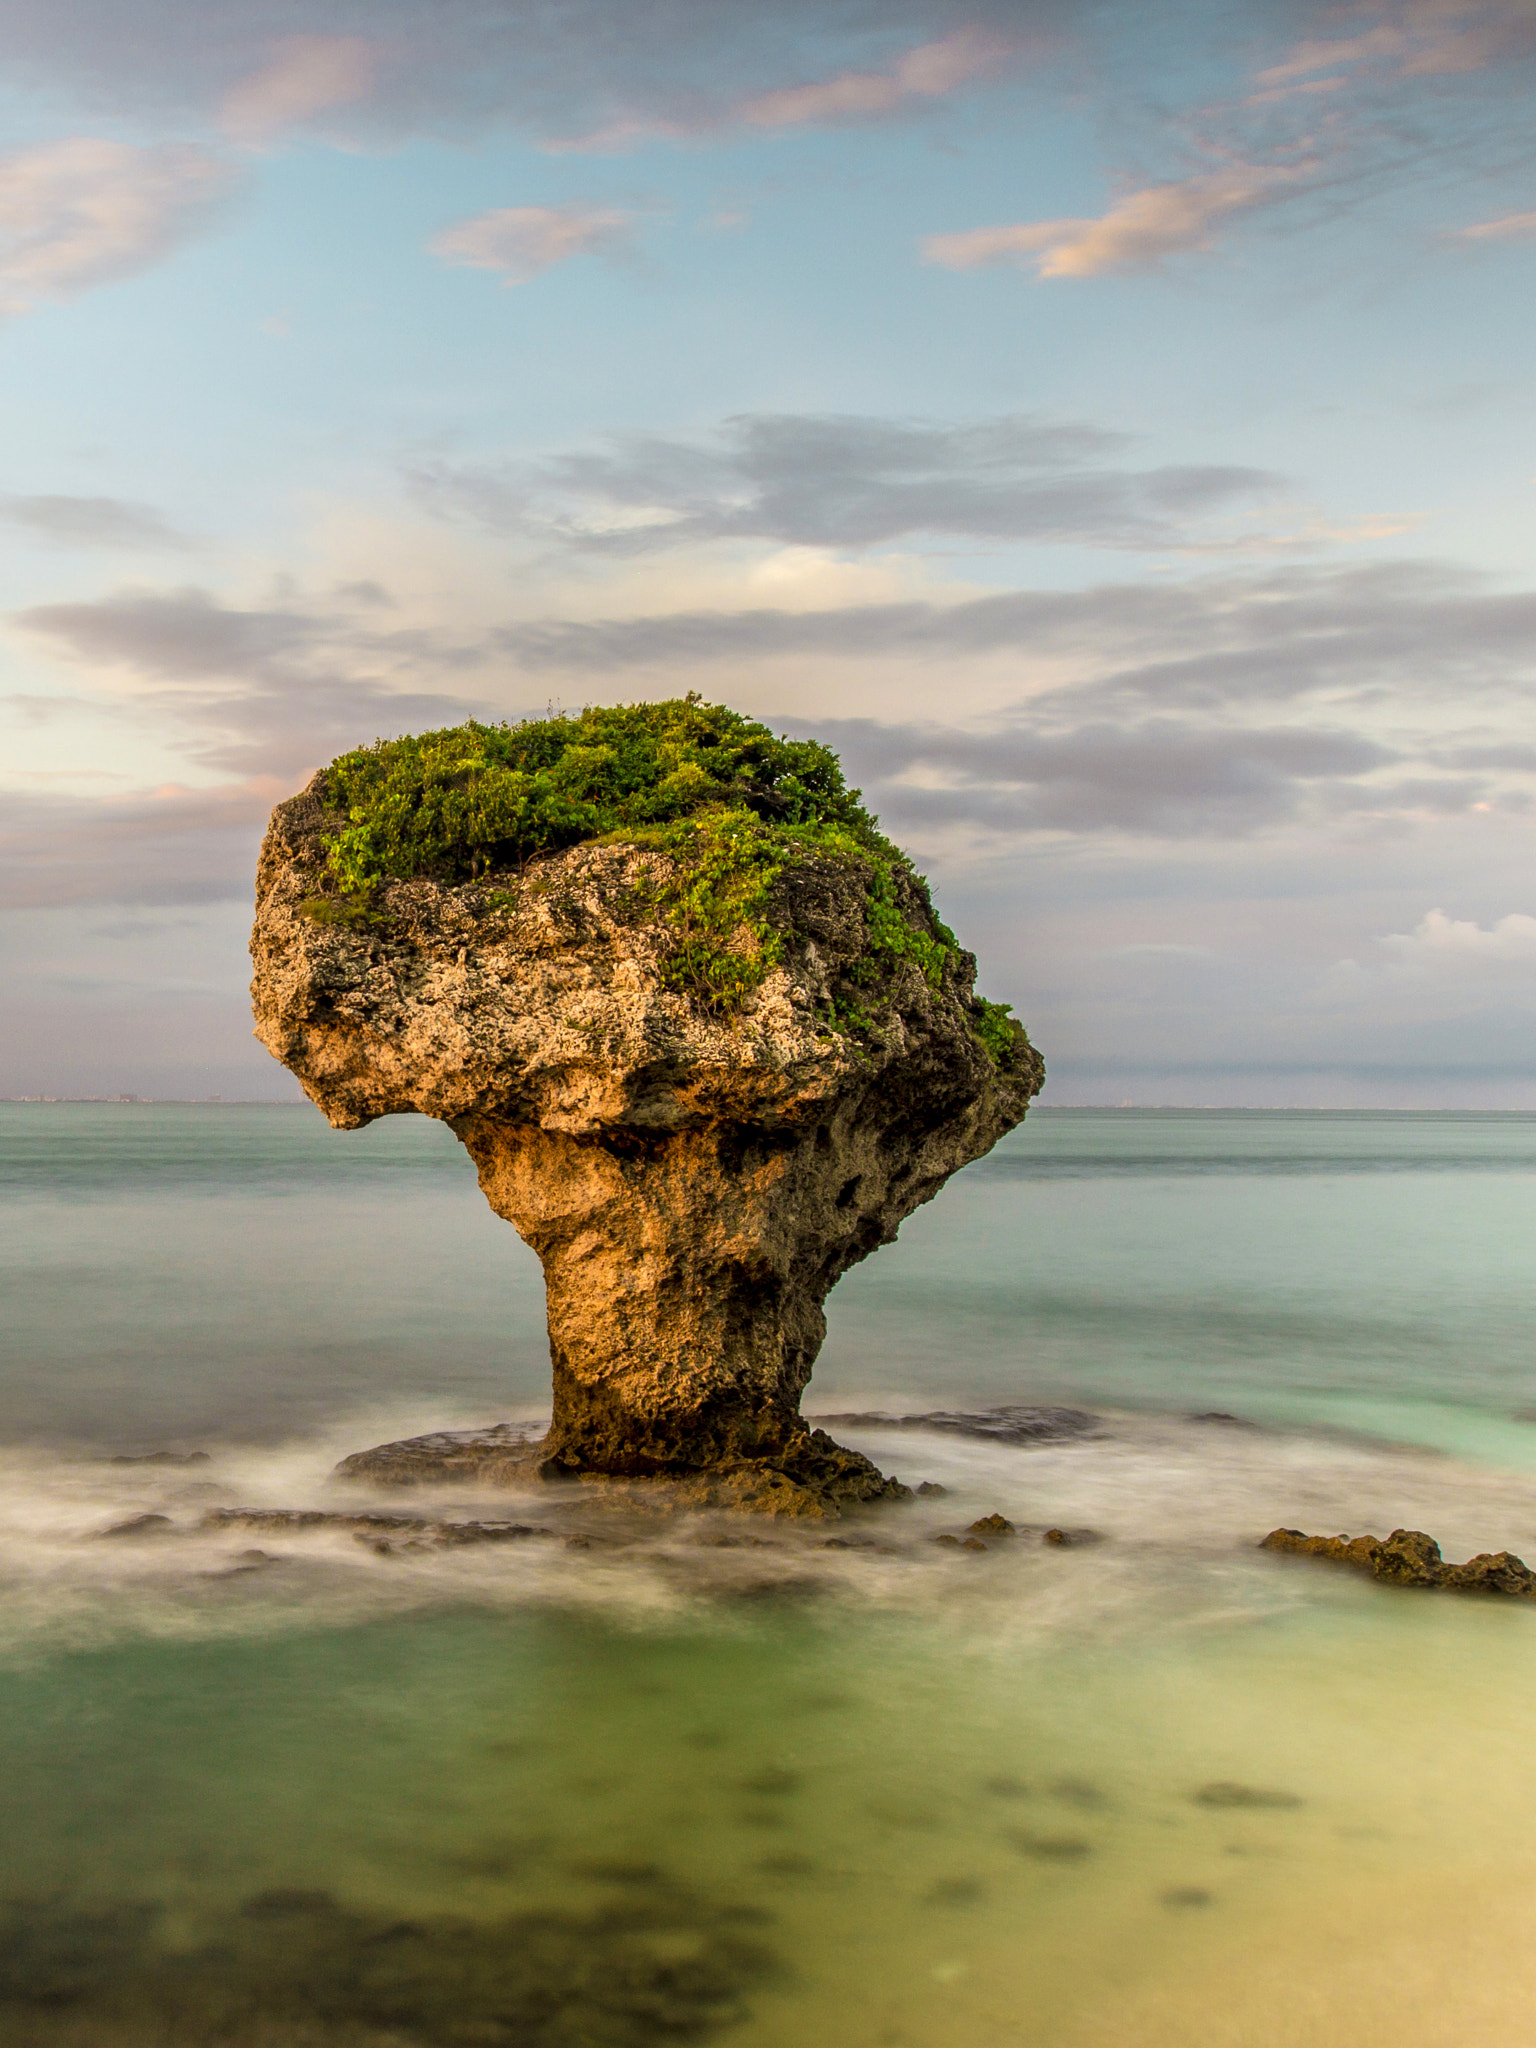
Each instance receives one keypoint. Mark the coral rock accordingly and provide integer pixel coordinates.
(693, 1185)
(1410, 1558)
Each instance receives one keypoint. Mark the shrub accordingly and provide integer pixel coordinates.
(731, 803)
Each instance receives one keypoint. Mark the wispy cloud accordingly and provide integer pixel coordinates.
(1417, 39)
(522, 242)
(1333, 54)
(303, 76)
(88, 211)
(1511, 227)
(930, 71)
(1162, 778)
(1449, 946)
(92, 522)
(170, 845)
(1146, 724)
(393, 68)
(1136, 233)
(1411, 633)
(269, 690)
(838, 480)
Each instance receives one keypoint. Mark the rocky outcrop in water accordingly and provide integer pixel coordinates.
(693, 1184)
(1410, 1558)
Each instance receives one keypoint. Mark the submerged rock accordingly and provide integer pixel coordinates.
(160, 1458)
(1410, 1558)
(142, 1525)
(1015, 1425)
(472, 1456)
(384, 1532)
(695, 1176)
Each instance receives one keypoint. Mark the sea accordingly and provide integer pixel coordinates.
(631, 1778)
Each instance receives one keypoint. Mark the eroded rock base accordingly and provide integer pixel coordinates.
(1410, 1558)
(813, 1479)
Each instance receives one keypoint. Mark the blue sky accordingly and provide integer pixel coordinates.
(1112, 431)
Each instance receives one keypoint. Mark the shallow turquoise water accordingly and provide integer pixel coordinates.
(884, 1794)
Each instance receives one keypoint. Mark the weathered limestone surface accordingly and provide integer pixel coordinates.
(693, 1187)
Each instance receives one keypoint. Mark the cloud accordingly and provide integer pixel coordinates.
(837, 480)
(1418, 39)
(388, 69)
(1164, 778)
(1219, 705)
(1511, 227)
(1399, 633)
(87, 211)
(183, 635)
(522, 242)
(1332, 54)
(261, 690)
(1218, 708)
(928, 72)
(92, 522)
(1449, 38)
(1135, 234)
(172, 845)
(303, 75)
(1445, 946)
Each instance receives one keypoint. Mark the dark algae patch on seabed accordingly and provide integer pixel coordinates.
(298, 1969)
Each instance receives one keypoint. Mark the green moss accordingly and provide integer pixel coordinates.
(350, 910)
(1001, 1033)
(732, 804)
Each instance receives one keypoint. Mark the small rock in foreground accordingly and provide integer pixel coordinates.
(160, 1458)
(142, 1525)
(1410, 1558)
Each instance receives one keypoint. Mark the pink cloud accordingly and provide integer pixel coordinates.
(306, 75)
(930, 71)
(87, 211)
(1419, 39)
(1136, 232)
(1512, 227)
(522, 242)
(1318, 55)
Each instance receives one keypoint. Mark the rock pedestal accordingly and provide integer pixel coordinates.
(694, 1185)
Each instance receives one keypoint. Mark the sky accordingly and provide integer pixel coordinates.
(1110, 427)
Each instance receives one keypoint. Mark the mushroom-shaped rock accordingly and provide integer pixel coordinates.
(696, 1023)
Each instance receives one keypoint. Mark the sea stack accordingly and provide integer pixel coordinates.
(695, 1021)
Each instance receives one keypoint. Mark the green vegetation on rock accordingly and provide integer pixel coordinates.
(733, 806)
